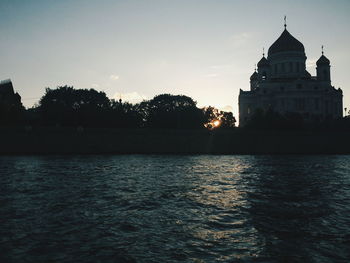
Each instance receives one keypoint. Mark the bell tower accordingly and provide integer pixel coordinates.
(323, 68)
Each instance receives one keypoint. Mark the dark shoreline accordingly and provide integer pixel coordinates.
(20, 141)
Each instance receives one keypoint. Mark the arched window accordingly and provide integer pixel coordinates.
(264, 75)
(283, 67)
(275, 68)
(298, 69)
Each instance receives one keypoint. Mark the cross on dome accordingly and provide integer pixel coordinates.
(285, 21)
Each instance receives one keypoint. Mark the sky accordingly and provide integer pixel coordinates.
(205, 49)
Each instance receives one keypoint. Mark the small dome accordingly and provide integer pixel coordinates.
(286, 42)
(254, 76)
(263, 62)
(323, 60)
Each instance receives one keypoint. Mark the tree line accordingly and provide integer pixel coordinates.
(68, 107)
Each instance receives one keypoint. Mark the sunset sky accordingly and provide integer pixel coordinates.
(205, 49)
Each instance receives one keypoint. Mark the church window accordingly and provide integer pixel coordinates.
(283, 67)
(299, 86)
(264, 75)
(297, 64)
(275, 68)
(290, 66)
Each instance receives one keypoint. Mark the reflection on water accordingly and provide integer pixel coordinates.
(175, 209)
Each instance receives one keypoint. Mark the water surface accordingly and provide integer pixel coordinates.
(138, 208)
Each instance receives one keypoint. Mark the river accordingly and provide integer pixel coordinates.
(175, 208)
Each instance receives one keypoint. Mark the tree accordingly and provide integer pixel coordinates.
(67, 106)
(171, 111)
(215, 118)
(227, 119)
(70, 107)
(125, 115)
(272, 120)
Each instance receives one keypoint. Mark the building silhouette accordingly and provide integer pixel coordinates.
(282, 83)
(8, 98)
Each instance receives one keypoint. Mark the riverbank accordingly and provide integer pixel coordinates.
(144, 141)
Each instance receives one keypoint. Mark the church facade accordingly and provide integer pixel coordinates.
(282, 83)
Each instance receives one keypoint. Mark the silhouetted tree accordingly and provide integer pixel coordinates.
(271, 120)
(293, 121)
(68, 106)
(212, 115)
(227, 119)
(125, 115)
(171, 111)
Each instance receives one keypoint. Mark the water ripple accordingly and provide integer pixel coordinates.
(139, 208)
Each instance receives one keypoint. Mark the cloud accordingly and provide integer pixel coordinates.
(132, 97)
(224, 66)
(114, 77)
(227, 108)
(241, 39)
(212, 75)
(310, 63)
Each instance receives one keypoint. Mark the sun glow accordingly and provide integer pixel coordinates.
(216, 123)
(213, 124)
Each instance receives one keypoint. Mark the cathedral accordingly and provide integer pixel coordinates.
(282, 83)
